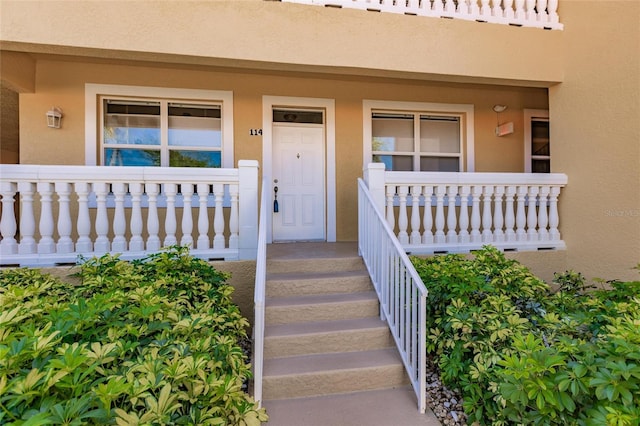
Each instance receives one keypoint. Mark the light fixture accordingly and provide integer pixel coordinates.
(54, 118)
(502, 129)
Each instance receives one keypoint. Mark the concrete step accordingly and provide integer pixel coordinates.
(331, 373)
(324, 307)
(326, 336)
(298, 283)
(314, 264)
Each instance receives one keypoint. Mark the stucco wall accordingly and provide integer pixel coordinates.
(595, 129)
(61, 83)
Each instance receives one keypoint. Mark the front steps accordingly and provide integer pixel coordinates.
(323, 334)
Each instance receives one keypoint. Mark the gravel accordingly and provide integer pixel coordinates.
(445, 403)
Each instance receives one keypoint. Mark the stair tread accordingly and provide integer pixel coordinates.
(320, 299)
(298, 276)
(319, 327)
(331, 362)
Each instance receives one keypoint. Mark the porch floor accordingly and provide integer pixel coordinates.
(380, 407)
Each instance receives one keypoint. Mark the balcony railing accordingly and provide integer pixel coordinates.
(53, 214)
(460, 212)
(525, 13)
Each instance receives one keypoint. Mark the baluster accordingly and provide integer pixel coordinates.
(186, 189)
(487, 235)
(541, 7)
(475, 214)
(519, 13)
(8, 225)
(554, 219)
(473, 9)
(510, 219)
(136, 243)
(415, 214)
(543, 221)
(402, 215)
(440, 191)
(530, 13)
(452, 235)
(119, 243)
(27, 220)
(102, 244)
(153, 222)
(449, 7)
(464, 214)
(203, 217)
(65, 244)
(552, 10)
(438, 5)
(46, 244)
(170, 221)
(532, 216)
(83, 223)
(507, 10)
(496, 9)
(485, 9)
(218, 218)
(427, 216)
(233, 217)
(498, 220)
(521, 218)
(391, 219)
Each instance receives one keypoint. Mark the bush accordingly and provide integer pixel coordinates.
(149, 342)
(522, 354)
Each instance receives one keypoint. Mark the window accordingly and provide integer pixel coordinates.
(151, 126)
(537, 143)
(408, 136)
(134, 134)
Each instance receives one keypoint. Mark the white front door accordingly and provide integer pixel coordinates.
(298, 173)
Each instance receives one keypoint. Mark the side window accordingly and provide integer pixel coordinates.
(160, 133)
(425, 137)
(537, 144)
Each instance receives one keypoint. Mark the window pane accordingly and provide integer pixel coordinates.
(195, 158)
(195, 125)
(131, 123)
(540, 166)
(540, 138)
(401, 163)
(439, 134)
(392, 132)
(439, 164)
(131, 157)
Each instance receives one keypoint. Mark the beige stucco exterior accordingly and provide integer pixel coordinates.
(587, 75)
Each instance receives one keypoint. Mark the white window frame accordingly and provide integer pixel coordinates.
(94, 93)
(464, 111)
(529, 116)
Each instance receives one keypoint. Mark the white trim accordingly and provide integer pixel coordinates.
(271, 102)
(464, 111)
(529, 115)
(91, 109)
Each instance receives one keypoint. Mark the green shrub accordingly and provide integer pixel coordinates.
(523, 354)
(147, 342)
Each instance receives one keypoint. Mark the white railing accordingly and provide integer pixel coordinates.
(526, 13)
(512, 211)
(259, 296)
(53, 214)
(402, 294)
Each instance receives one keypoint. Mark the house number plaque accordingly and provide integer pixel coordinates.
(255, 132)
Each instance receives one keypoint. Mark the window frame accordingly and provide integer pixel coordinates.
(529, 116)
(465, 113)
(95, 93)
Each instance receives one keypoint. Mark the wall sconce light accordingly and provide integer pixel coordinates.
(54, 118)
(502, 129)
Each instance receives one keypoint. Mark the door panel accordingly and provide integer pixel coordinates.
(298, 165)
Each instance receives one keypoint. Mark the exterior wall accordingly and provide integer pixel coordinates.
(272, 35)
(61, 83)
(595, 134)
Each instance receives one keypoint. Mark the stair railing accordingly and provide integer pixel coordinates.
(402, 294)
(259, 297)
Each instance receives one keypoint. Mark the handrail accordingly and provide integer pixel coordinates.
(259, 297)
(402, 294)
